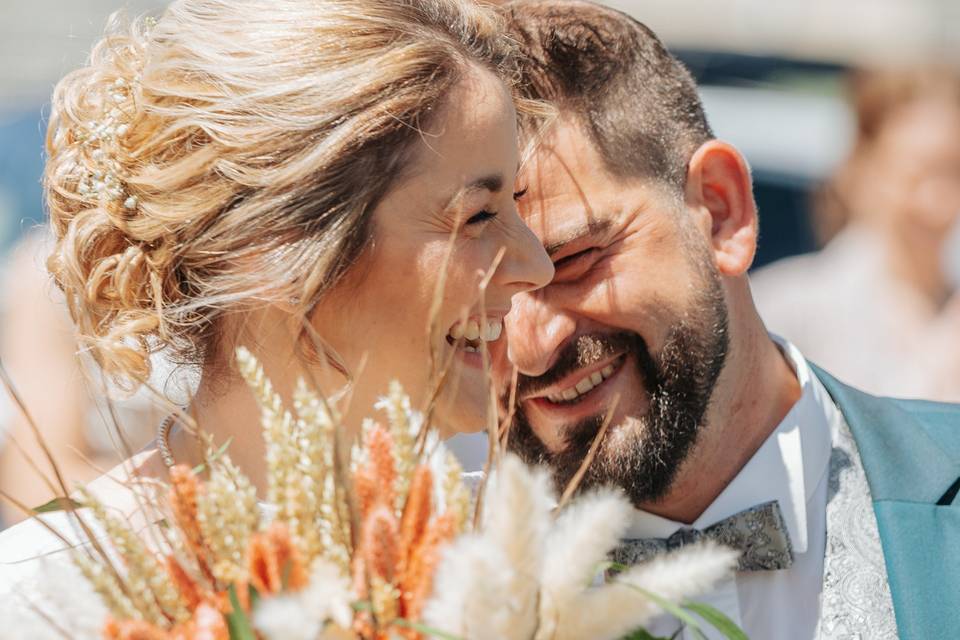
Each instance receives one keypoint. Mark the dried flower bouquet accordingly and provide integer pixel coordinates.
(374, 541)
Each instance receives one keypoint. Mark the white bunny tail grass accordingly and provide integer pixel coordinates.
(517, 507)
(517, 520)
(575, 551)
(608, 612)
(470, 595)
(580, 540)
(683, 574)
(488, 583)
(624, 606)
(323, 605)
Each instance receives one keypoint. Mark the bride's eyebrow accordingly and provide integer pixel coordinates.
(492, 183)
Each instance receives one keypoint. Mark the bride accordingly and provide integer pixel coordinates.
(297, 177)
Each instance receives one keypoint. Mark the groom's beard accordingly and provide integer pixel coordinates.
(648, 449)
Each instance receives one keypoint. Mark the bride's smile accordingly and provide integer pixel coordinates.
(470, 335)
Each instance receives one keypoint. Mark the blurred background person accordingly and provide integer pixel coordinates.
(61, 390)
(880, 302)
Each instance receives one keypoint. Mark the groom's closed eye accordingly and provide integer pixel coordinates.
(578, 251)
(576, 265)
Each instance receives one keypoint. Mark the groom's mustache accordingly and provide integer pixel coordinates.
(583, 351)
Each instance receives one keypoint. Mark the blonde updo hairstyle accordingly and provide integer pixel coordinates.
(229, 154)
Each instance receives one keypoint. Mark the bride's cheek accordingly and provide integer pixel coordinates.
(468, 267)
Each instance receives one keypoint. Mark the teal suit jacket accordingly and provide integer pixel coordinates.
(911, 454)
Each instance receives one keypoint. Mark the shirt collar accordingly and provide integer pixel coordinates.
(787, 467)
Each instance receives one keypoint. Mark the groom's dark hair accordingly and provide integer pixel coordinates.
(637, 102)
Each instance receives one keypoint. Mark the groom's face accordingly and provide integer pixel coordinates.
(632, 329)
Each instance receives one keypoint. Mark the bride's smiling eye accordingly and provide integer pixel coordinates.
(481, 217)
(485, 215)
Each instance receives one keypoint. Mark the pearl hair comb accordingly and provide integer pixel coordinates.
(100, 138)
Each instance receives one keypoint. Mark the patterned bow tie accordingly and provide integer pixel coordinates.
(759, 533)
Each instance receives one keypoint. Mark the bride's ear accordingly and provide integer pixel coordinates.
(720, 193)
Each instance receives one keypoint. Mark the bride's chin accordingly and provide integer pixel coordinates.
(469, 359)
(463, 407)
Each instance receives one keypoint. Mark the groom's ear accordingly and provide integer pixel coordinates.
(719, 192)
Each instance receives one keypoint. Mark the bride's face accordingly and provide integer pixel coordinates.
(459, 179)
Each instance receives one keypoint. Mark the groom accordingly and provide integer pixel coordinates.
(845, 505)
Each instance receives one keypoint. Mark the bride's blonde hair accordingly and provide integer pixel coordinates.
(231, 152)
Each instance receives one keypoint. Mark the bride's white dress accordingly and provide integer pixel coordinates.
(40, 587)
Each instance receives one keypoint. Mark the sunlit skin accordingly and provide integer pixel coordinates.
(460, 177)
(622, 252)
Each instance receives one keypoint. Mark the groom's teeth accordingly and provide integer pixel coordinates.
(494, 329)
(585, 385)
(457, 331)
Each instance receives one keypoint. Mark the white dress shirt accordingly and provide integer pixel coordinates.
(791, 467)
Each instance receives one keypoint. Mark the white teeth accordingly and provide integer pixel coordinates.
(585, 385)
(472, 330)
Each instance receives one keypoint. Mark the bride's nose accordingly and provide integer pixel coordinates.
(525, 264)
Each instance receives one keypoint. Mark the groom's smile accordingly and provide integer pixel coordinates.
(581, 383)
(593, 374)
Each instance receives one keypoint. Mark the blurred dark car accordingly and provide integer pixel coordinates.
(789, 119)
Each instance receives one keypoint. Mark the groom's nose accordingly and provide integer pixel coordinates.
(535, 332)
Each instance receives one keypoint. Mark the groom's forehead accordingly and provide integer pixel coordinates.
(557, 216)
(565, 224)
(571, 195)
(562, 176)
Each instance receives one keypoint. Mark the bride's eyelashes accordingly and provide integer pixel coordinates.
(484, 215)
(481, 217)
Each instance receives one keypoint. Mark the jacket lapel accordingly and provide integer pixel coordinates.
(909, 467)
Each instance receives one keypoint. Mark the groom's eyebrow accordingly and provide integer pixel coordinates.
(586, 231)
